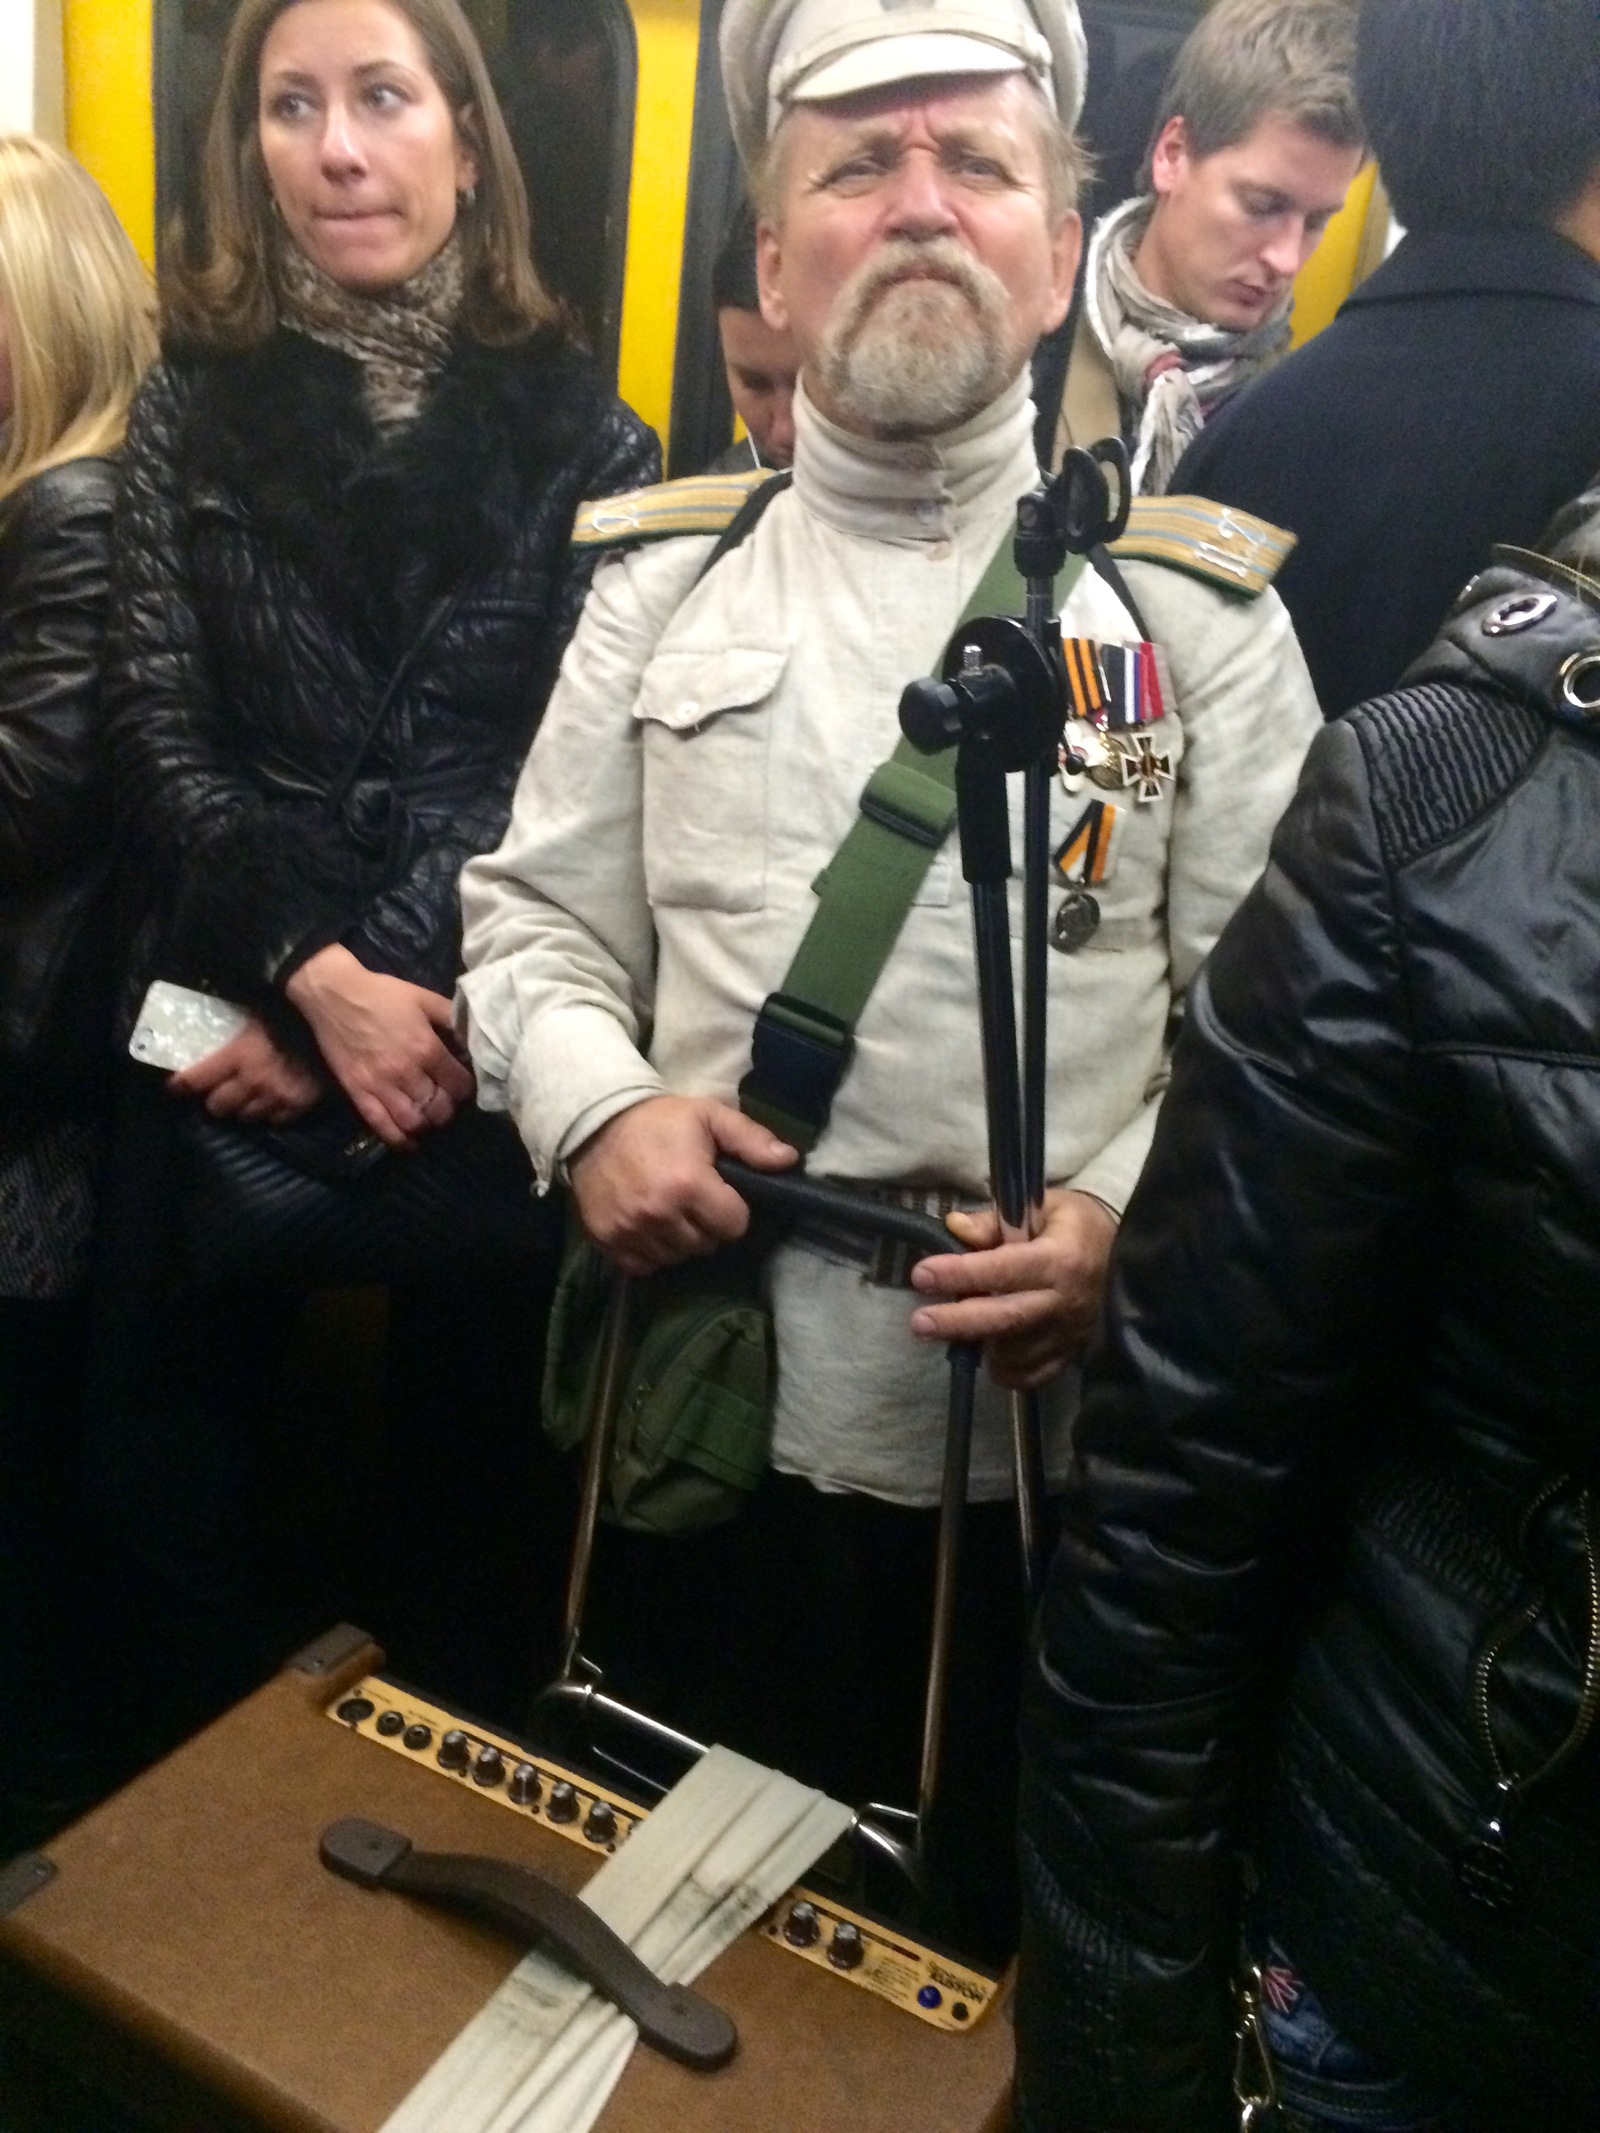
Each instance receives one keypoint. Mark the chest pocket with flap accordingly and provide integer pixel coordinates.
(705, 726)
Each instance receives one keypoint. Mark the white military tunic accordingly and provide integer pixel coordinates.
(701, 760)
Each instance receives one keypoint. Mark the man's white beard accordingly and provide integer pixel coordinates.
(917, 342)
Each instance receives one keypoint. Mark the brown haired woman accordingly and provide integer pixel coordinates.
(343, 586)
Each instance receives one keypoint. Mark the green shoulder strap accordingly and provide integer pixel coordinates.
(805, 1032)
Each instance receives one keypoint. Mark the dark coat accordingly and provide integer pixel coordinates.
(55, 542)
(1342, 1442)
(1454, 403)
(276, 565)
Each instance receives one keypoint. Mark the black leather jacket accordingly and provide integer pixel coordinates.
(1329, 1562)
(279, 572)
(55, 539)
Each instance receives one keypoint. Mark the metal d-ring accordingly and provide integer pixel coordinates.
(1581, 667)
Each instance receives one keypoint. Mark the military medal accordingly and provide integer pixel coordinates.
(1080, 750)
(1077, 916)
(1141, 767)
(1083, 856)
(1114, 692)
(1086, 852)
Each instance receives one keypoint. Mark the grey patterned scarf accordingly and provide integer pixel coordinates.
(1173, 368)
(400, 338)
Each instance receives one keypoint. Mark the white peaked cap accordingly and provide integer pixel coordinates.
(781, 52)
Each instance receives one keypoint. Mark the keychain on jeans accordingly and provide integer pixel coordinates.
(1255, 2079)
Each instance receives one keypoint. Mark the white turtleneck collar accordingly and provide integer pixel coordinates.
(920, 491)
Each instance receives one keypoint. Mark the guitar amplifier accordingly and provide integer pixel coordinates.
(183, 1950)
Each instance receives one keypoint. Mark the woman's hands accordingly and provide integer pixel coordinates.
(382, 1040)
(252, 1078)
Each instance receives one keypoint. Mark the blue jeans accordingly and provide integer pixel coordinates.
(1322, 2076)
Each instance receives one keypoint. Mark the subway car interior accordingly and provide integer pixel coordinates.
(344, 1897)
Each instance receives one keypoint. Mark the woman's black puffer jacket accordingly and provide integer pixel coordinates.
(1329, 1562)
(55, 545)
(276, 569)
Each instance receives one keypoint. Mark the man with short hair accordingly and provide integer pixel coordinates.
(708, 747)
(1455, 401)
(760, 362)
(1188, 287)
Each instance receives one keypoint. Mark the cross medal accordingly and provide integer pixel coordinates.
(1143, 768)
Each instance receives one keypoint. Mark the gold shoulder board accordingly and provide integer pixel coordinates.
(705, 503)
(1209, 541)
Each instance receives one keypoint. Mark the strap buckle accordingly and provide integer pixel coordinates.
(906, 799)
(798, 1056)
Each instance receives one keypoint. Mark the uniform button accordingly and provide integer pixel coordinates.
(690, 707)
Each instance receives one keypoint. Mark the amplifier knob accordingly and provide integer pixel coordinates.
(417, 1735)
(802, 1927)
(390, 1724)
(454, 1750)
(354, 1709)
(488, 1767)
(600, 1823)
(563, 1805)
(847, 1949)
(523, 1789)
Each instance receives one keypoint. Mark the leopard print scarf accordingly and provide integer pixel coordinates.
(400, 338)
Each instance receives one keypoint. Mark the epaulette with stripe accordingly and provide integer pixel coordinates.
(704, 503)
(1209, 541)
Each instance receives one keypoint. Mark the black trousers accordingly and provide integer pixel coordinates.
(261, 1462)
(799, 1634)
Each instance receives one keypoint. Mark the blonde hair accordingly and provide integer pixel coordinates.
(217, 289)
(77, 307)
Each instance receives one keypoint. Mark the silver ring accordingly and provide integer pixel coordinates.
(1518, 614)
(1581, 668)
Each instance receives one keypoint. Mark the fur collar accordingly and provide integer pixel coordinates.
(380, 526)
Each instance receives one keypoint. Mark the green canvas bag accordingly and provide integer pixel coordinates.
(694, 1415)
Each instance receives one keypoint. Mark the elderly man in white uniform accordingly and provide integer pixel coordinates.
(708, 741)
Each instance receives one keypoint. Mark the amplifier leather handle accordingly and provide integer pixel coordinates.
(792, 1193)
(671, 2017)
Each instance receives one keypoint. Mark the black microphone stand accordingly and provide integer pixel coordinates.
(1001, 701)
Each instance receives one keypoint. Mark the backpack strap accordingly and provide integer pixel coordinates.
(744, 521)
(804, 1034)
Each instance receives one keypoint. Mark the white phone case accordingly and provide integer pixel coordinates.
(178, 1027)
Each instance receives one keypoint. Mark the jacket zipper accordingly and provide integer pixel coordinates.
(1482, 1864)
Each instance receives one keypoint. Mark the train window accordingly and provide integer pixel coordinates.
(565, 71)
(1132, 44)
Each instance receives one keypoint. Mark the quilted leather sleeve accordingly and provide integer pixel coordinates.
(54, 558)
(413, 925)
(1258, 1271)
(241, 876)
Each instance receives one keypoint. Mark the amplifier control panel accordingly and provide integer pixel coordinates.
(938, 1990)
